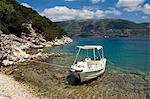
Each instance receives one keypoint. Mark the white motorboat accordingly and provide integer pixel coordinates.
(92, 66)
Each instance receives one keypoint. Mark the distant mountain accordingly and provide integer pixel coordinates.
(105, 27)
(13, 15)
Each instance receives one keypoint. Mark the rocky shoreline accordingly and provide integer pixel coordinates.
(49, 81)
(14, 49)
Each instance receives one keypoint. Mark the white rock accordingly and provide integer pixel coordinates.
(40, 50)
(12, 37)
(29, 27)
(12, 58)
(4, 97)
(48, 45)
(37, 55)
(16, 43)
(42, 39)
(7, 62)
(62, 41)
(22, 60)
(57, 43)
(16, 48)
(20, 53)
(38, 46)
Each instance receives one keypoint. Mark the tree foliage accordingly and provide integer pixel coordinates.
(13, 15)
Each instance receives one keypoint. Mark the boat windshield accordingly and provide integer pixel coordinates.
(89, 54)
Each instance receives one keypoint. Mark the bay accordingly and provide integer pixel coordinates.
(129, 53)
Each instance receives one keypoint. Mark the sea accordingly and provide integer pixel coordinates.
(124, 53)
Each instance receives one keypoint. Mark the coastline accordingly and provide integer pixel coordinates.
(48, 81)
(99, 36)
(38, 43)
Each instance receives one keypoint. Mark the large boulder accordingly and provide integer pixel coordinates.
(18, 52)
(67, 40)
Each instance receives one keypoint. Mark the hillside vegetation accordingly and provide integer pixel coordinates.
(13, 15)
(105, 27)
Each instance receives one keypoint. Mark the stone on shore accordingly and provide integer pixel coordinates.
(7, 62)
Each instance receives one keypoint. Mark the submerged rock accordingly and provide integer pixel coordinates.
(113, 84)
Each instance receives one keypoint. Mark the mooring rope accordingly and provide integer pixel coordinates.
(111, 62)
(61, 66)
(46, 63)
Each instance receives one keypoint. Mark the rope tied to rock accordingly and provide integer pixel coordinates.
(57, 65)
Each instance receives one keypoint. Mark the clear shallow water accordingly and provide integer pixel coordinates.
(131, 54)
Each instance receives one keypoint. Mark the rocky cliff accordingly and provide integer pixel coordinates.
(13, 49)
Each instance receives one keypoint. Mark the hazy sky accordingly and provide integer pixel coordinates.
(61, 10)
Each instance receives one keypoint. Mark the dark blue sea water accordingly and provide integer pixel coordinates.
(131, 54)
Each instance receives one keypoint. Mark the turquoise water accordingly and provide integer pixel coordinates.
(131, 54)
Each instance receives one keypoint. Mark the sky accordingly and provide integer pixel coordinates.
(63, 10)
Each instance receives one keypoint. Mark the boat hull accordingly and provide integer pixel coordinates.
(86, 76)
